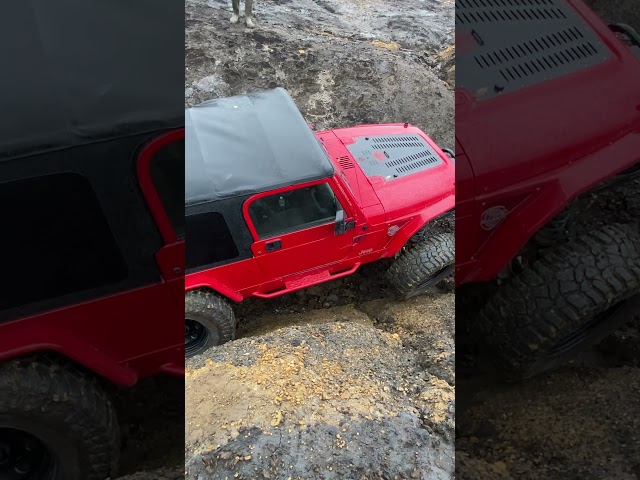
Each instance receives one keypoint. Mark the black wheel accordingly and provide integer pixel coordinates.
(209, 321)
(565, 302)
(56, 423)
(423, 266)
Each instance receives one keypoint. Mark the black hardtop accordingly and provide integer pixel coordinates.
(237, 146)
(77, 72)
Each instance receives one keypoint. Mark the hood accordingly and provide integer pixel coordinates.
(521, 116)
(402, 167)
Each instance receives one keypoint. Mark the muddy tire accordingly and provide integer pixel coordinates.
(209, 321)
(563, 303)
(56, 422)
(425, 265)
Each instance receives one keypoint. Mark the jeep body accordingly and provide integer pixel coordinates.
(547, 120)
(106, 252)
(547, 108)
(340, 198)
(91, 186)
(91, 180)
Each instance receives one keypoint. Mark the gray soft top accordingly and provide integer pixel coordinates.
(76, 71)
(249, 144)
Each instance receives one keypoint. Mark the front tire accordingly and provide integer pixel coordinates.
(425, 265)
(56, 423)
(209, 321)
(564, 302)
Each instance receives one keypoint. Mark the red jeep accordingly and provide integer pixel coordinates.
(272, 207)
(547, 120)
(91, 187)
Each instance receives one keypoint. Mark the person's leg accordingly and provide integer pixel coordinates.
(248, 13)
(236, 11)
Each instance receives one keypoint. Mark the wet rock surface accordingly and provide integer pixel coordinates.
(343, 62)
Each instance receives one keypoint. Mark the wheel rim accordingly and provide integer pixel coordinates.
(575, 338)
(195, 336)
(430, 280)
(24, 457)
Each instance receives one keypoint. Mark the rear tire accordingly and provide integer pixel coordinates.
(563, 303)
(425, 265)
(58, 420)
(209, 321)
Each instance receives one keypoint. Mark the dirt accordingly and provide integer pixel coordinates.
(578, 422)
(343, 62)
(174, 473)
(152, 428)
(355, 391)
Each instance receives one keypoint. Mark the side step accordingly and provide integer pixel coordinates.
(307, 279)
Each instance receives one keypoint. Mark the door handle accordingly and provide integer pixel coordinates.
(273, 246)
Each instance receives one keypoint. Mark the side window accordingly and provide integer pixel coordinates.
(208, 240)
(293, 210)
(167, 175)
(56, 240)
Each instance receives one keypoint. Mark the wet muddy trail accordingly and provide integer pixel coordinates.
(343, 62)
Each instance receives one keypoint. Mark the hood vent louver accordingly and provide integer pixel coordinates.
(393, 156)
(345, 163)
(400, 141)
(487, 11)
(514, 44)
(539, 55)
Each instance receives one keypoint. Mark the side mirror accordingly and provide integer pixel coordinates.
(450, 153)
(343, 225)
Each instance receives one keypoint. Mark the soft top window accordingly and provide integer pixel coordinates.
(56, 235)
(208, 240)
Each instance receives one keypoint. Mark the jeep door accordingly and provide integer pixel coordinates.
(294, 228)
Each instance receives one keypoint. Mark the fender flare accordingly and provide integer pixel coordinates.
(84, 355)
(216, 286)
(550, 194)
(408, 230)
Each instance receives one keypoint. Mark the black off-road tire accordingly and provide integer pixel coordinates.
(213, 314)
(563, 303)
(67, 410)
(425, 265)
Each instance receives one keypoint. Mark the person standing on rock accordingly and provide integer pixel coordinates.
(248, 12)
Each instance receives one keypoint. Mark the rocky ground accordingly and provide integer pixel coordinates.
(344, 62)
(338, 380)
(358, 391)
(579, 422)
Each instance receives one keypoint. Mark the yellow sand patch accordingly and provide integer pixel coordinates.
(388, 46)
